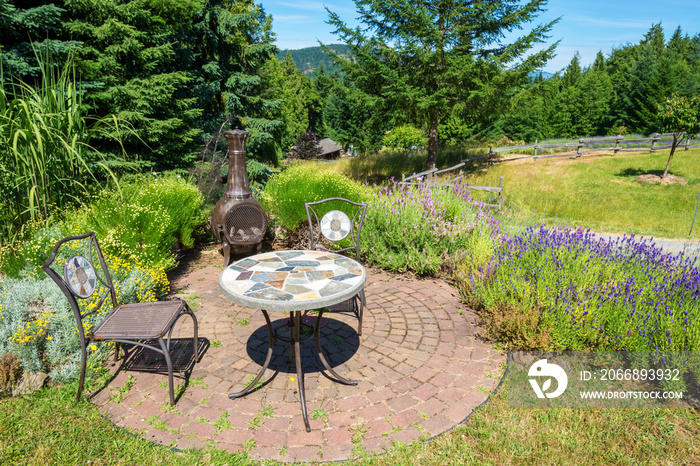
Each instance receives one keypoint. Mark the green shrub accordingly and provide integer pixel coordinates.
(404, 137)
(286, 192)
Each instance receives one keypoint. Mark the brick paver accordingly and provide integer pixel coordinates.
(419, 362)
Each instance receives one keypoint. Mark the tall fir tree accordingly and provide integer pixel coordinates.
(133, 65)
(428, 59)
(233, 40)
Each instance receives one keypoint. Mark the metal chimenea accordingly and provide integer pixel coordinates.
(238, 219)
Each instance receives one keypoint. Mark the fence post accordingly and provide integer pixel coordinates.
(654, 138)
(617, 144)
(687, 141)
(500, 195)
(579, 147)
(537, 145)
(403, 177)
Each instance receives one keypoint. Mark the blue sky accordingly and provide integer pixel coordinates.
(585, 26)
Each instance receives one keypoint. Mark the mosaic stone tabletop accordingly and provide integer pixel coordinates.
(292, 280)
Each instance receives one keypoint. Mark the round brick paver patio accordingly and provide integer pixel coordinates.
(420, 365)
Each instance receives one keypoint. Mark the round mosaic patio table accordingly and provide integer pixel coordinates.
(292, 281)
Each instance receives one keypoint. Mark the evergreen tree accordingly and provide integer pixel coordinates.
(429, 59)
(134, 67)
(23, 31)
(352, 117)
(233, 40)
(295, 112)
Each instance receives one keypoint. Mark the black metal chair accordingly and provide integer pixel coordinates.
(340, 220)
(140, 324)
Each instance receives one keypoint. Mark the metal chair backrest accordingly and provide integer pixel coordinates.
(336, 224)
(80, 279)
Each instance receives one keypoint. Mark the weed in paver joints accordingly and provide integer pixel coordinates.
(179, 390)
(283, 450)
(420, 428)
(338, 340)
(200, 279)
(203, 400)
(243, 321)
(168, 408)
(460, 312)
(119, 395)
(199, 382)
(358, 432)
(248, 445)
(483, 389)
(423, 415)
(191, 436)
(193, 301)
(215, 343)
(136, 403)
(257, 385)
(257, 421)
(201, 420)
(222, 423)
(159, 424)
(394, 429)
(320, 413)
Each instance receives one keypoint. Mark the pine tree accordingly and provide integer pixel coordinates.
(25, 30)
(233, 40)
(429, 59)
(134, 66)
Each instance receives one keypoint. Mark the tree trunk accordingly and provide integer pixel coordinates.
(432, 141)
(676, 140)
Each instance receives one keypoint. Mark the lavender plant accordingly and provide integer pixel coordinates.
(417, 228)
(565, 289)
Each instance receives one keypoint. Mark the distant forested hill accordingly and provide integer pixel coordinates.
(310, 58)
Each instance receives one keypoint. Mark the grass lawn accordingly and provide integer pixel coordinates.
(600, 192)
(49, 428)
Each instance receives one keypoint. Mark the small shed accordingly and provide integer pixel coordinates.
(329, 148)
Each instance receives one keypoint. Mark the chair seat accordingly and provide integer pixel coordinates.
(349, 305)
(139, 321)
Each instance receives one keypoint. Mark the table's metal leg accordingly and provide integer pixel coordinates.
(271, 341)
(317, 337)
(300, 375)
(291, 340)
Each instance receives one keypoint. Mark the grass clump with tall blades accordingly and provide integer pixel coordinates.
(46, 160)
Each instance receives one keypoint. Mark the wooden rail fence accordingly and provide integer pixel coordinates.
(585, 145)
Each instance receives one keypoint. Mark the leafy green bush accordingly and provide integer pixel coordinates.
(404, 137)
(419, 228)
(286, 192)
